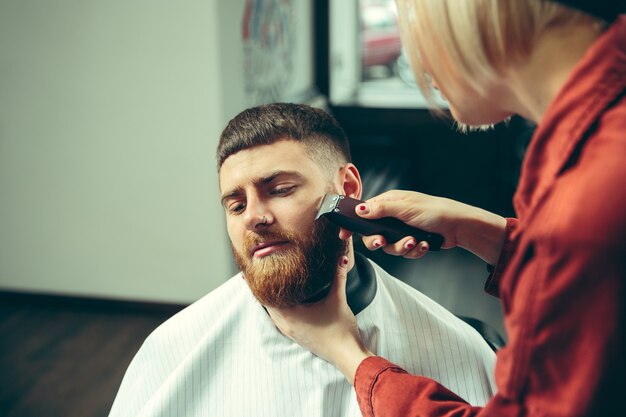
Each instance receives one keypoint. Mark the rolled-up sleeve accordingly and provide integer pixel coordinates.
(508, 249)
(384, 389)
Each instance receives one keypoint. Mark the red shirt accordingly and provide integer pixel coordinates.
(561, 275)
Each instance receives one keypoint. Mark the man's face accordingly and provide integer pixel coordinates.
(271, 194)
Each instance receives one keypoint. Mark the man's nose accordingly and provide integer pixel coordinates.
(258, 216)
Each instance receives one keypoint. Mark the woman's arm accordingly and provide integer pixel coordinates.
(462, 225)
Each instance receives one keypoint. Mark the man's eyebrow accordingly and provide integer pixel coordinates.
(233, 193)
(273, 175)
(266, 179)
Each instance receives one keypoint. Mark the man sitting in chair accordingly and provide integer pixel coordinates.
(223, 356)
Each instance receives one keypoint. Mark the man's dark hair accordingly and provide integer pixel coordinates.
(325, 140)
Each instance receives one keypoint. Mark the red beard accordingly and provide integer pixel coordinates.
(296, 273)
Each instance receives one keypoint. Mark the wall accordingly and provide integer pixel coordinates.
(110, 112)
(267, 52)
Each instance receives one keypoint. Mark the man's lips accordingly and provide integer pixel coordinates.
(263, 249)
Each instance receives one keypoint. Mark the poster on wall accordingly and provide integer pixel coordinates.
(277, 50)
(269, 43)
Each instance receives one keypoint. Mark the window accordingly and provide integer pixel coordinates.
(368, 67)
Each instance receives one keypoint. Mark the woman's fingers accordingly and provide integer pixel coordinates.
(418, 251)
(338, 288)
(401, 247)
(344, 234)
(374, 242)
(404, 247)
(393, 203)
(372, 209)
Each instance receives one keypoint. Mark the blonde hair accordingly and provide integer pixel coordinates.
(468, 43)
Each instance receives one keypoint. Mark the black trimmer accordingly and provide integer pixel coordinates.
(340, 209)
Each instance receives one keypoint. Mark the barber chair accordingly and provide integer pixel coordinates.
(491, 336)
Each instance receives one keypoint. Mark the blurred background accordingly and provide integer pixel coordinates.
(110, 113)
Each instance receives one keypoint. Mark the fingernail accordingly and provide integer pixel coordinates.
(424, 247)
(364, 209)
(377, 243)
(343, 261)
(409, 245)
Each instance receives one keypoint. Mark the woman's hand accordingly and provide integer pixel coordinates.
(471, 228)
(327, 328)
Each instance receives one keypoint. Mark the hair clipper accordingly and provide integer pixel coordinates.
(340, 210)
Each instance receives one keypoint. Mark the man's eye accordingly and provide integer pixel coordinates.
(282, 190)
(236, 208)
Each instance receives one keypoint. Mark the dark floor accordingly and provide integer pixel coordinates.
(61, 357)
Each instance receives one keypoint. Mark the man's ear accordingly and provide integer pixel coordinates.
(350, 181)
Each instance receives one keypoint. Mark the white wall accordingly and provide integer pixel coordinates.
(110, 112)
(344, 40)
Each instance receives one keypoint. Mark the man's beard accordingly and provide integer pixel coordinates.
(296, 273)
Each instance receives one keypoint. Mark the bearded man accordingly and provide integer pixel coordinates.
(223, 356)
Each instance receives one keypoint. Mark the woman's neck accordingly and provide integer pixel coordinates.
(536, 82)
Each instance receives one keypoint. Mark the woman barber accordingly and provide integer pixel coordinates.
(560, 266)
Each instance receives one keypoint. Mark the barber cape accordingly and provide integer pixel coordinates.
(223, 356)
